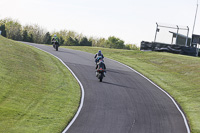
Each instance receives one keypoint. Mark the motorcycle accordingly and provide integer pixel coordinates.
(55, 45)
(100, 73)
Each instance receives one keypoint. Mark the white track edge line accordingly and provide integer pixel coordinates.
(82, 92)
(184, 118)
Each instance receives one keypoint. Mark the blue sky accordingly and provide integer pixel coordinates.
(130, 20)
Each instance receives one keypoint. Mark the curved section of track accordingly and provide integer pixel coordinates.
(124, 102)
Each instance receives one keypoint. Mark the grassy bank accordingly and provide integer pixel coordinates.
(37, 92)
(177, 74)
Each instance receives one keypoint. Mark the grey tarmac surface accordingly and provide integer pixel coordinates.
(124, 102)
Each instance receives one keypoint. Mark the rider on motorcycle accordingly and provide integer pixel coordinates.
(55, 39)
(99, 65)
(98, 56)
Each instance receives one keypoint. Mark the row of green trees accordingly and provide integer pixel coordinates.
(71, 38)
(12, 29)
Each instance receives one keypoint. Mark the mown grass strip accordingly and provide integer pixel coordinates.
(177, 74)
(37, 92)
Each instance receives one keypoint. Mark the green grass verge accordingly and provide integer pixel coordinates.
(37, 92)
(177, 74)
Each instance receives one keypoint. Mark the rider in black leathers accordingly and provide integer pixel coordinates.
(99, 65)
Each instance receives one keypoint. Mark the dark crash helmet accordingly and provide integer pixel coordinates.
(99, 52)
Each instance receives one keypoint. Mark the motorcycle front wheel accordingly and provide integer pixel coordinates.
(56, 47)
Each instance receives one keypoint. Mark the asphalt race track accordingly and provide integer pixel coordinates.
(124, 102)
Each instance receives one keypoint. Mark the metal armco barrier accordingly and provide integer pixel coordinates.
(161, 47)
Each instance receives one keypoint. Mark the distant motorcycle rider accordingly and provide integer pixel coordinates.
(98, 56)
(55, 40)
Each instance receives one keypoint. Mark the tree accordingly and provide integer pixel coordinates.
(25, 36)
(30, 38)
(84, 42)
(101, 42)
(76, 42)
(114, 42)
(72, 42)
(13, 29)
(47, 38)
(3, 30)
(61, 40)
(131, 47)
(35, 33)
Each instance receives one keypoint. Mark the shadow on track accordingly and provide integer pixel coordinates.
(117, 85)
(116, 71)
